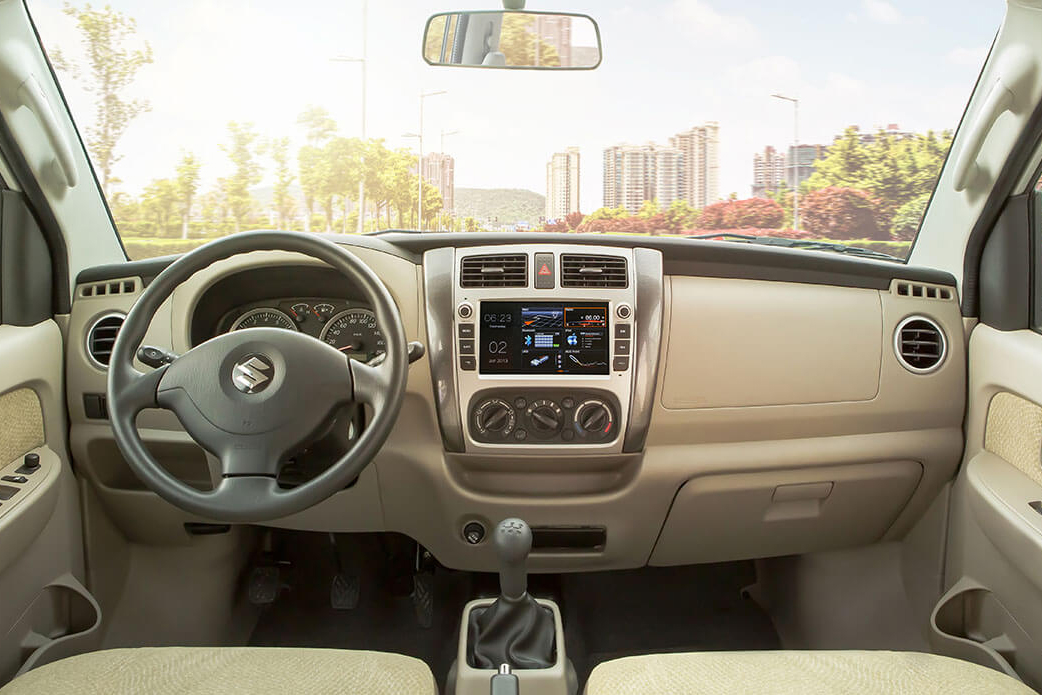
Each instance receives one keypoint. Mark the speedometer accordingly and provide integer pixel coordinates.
(355, 333)
(263, 317)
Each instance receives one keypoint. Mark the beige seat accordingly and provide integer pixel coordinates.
(202, 671)
(791, 672)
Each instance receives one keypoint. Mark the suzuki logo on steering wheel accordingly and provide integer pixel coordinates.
(253, 373)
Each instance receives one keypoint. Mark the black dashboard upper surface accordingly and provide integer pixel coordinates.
(681, 256)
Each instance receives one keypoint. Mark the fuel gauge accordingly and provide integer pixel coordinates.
(323, 311)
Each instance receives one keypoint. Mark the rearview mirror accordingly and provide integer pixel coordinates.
(513, 40)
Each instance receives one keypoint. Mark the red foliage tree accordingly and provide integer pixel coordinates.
(841, 213)
(740, 214)
(574, 219)
(555, 227)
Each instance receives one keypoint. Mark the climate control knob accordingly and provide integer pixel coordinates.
(545, 417)
(594, 419)
(495, 417)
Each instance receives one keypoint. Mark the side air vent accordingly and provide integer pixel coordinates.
(920, 344)
(104, 289)
(593, 271)
(102, 336)
(915, 289)
(494, 271)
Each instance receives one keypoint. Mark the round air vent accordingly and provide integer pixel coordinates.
(102, 337)
(920, 344)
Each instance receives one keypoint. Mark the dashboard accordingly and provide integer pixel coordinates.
(644, 391)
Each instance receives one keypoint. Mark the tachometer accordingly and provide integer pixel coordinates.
(264, 317)
(355, 333)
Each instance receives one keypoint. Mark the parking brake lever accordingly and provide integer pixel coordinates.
(504, 682)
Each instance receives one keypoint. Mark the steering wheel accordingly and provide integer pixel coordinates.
(255, 396)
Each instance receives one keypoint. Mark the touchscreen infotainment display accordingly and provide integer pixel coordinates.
(544, 338)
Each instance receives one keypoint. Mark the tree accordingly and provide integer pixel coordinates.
(892, 170)
(753, 213)
(345, 168)
(574, 220)
(111, 68)
(187, 185)
(680, 216)
(648, 209)
(519, 43)
(319, 127)
(432, 203)
(247, 171)
(841, 213)
(158, 202)
(907, 218)
(278, 148)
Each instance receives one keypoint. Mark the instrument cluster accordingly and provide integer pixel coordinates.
(348, 326)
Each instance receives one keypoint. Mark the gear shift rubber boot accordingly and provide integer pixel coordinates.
(515, 629)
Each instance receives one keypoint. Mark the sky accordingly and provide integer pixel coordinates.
(668, 65)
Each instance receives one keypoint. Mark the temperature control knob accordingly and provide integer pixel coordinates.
(594, 420)
(545, 417)
(495, 417)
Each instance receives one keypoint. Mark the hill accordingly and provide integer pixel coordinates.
(508, 205)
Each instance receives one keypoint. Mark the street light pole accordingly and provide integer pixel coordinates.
(796, 158)
(419, 163)
(445, 134)
(364, 63)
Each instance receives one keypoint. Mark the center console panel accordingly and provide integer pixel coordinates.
(544, 349)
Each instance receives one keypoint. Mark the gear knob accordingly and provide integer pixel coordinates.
(513, 541)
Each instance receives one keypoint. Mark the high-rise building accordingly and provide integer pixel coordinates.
(768, 171)
(700, 147)
(799, 163)
(869, 136)
(634, 174)
(556, 31)
(439, 170)
(562, 184)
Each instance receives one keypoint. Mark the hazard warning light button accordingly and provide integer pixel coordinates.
(544, 271)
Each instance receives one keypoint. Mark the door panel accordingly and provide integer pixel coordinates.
(41, 550)
(995, 543)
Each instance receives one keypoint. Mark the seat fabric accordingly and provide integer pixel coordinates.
(792, 672)
(224, 671)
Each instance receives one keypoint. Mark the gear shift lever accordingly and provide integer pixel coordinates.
(513, 541)
(514, 630)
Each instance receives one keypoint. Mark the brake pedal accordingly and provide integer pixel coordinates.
(264, 585)
(344, 592)
(346, 587)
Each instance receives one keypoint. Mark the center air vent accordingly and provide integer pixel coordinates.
(494, 271)
(920, 344)
(593, 271)
(102, 336)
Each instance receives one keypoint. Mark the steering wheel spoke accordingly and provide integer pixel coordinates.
(140, 390)
(370, 385)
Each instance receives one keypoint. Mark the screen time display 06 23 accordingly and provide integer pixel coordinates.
(544, 338)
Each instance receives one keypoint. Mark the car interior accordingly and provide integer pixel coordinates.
(339, 463)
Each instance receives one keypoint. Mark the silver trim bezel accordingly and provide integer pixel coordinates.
(90, 332)
(620, 384)
(897, 344)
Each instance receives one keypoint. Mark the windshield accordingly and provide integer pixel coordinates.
(829, 123)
